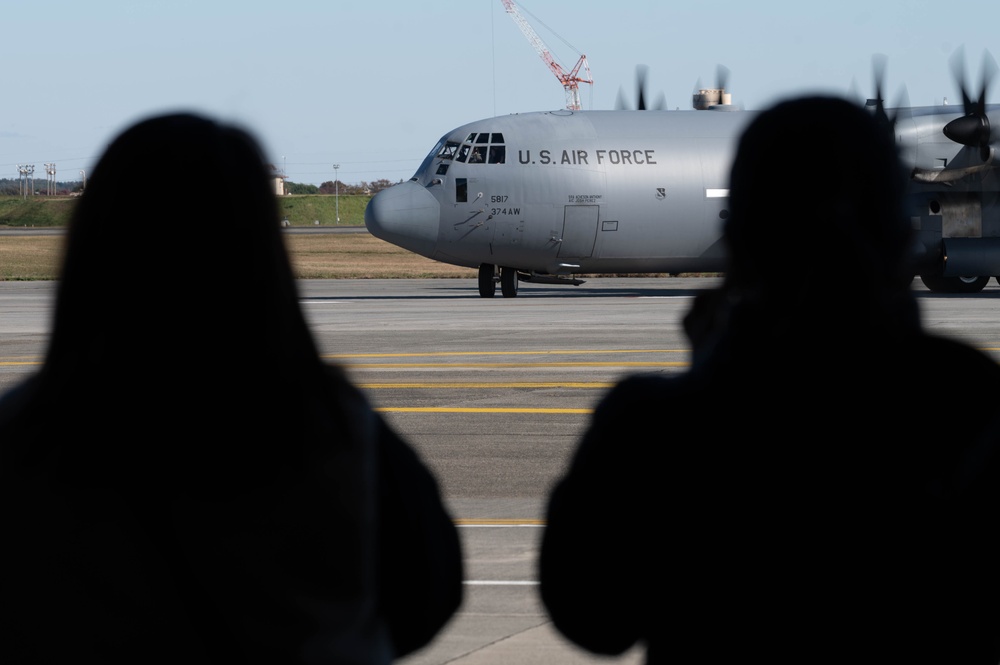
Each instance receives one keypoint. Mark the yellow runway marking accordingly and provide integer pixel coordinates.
(458, 354)
(497, 522)
(512, 365)
(599, 385)
(457, 409)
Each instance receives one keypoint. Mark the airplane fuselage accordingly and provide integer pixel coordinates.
(553, 194)
(576, 192)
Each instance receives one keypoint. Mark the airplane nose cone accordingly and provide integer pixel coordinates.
(406, 215)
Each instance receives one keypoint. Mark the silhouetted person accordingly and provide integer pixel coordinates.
(184, 481)
(818, 487)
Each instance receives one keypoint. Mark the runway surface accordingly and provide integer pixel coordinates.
(494, 395)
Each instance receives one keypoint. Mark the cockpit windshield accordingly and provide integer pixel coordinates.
(429, 158)
(483, 148)
(477, 148)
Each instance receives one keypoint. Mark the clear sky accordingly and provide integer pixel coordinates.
(373, 85)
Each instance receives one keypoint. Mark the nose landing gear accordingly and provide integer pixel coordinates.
(508, 282)
(488, 281)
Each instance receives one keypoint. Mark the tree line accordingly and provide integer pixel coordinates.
(12, 187)
(337, 187)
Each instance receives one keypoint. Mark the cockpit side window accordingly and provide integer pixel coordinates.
(449, 150)
(498, 154)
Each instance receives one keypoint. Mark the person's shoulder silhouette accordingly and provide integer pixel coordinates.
(185, 480)
(810, 488)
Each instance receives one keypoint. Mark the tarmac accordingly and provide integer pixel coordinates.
(494, 394)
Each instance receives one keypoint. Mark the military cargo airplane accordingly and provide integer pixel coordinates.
(542, 197)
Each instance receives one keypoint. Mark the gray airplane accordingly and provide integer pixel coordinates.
(542, 197)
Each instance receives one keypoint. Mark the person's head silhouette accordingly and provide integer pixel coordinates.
(818, 236)
(176, 243)
(817, 196)
(177, 317)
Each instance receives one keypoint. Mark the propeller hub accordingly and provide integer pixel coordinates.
(972, 130)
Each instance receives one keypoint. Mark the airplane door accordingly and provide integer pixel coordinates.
(579, 231)
(961, 215)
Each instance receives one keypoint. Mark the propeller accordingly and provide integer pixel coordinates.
(877, 104)
(641, 72)
(879, 63)
(973, 128)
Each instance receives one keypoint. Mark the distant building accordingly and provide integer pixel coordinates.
(279, 180)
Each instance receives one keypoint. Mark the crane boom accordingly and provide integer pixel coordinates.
(570, 81)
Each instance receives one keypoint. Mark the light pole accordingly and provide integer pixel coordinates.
(336, 188)
(50, 181)
(26, 173)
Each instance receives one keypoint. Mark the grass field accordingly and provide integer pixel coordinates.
(314, 256)
(305, 210)
(361, 256)
(36, 211)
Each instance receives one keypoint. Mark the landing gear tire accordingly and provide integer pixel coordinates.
(508, 282)
(487, 280)
(961, 284)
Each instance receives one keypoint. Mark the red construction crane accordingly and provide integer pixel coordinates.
(569, 81)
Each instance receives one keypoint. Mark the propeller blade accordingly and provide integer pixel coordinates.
(957, 62)
(620, 103)
(989, 73)
(879, 63)
(854, 92)
(903, 108)
(721, 77)
(640, 83)
(642, 104)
